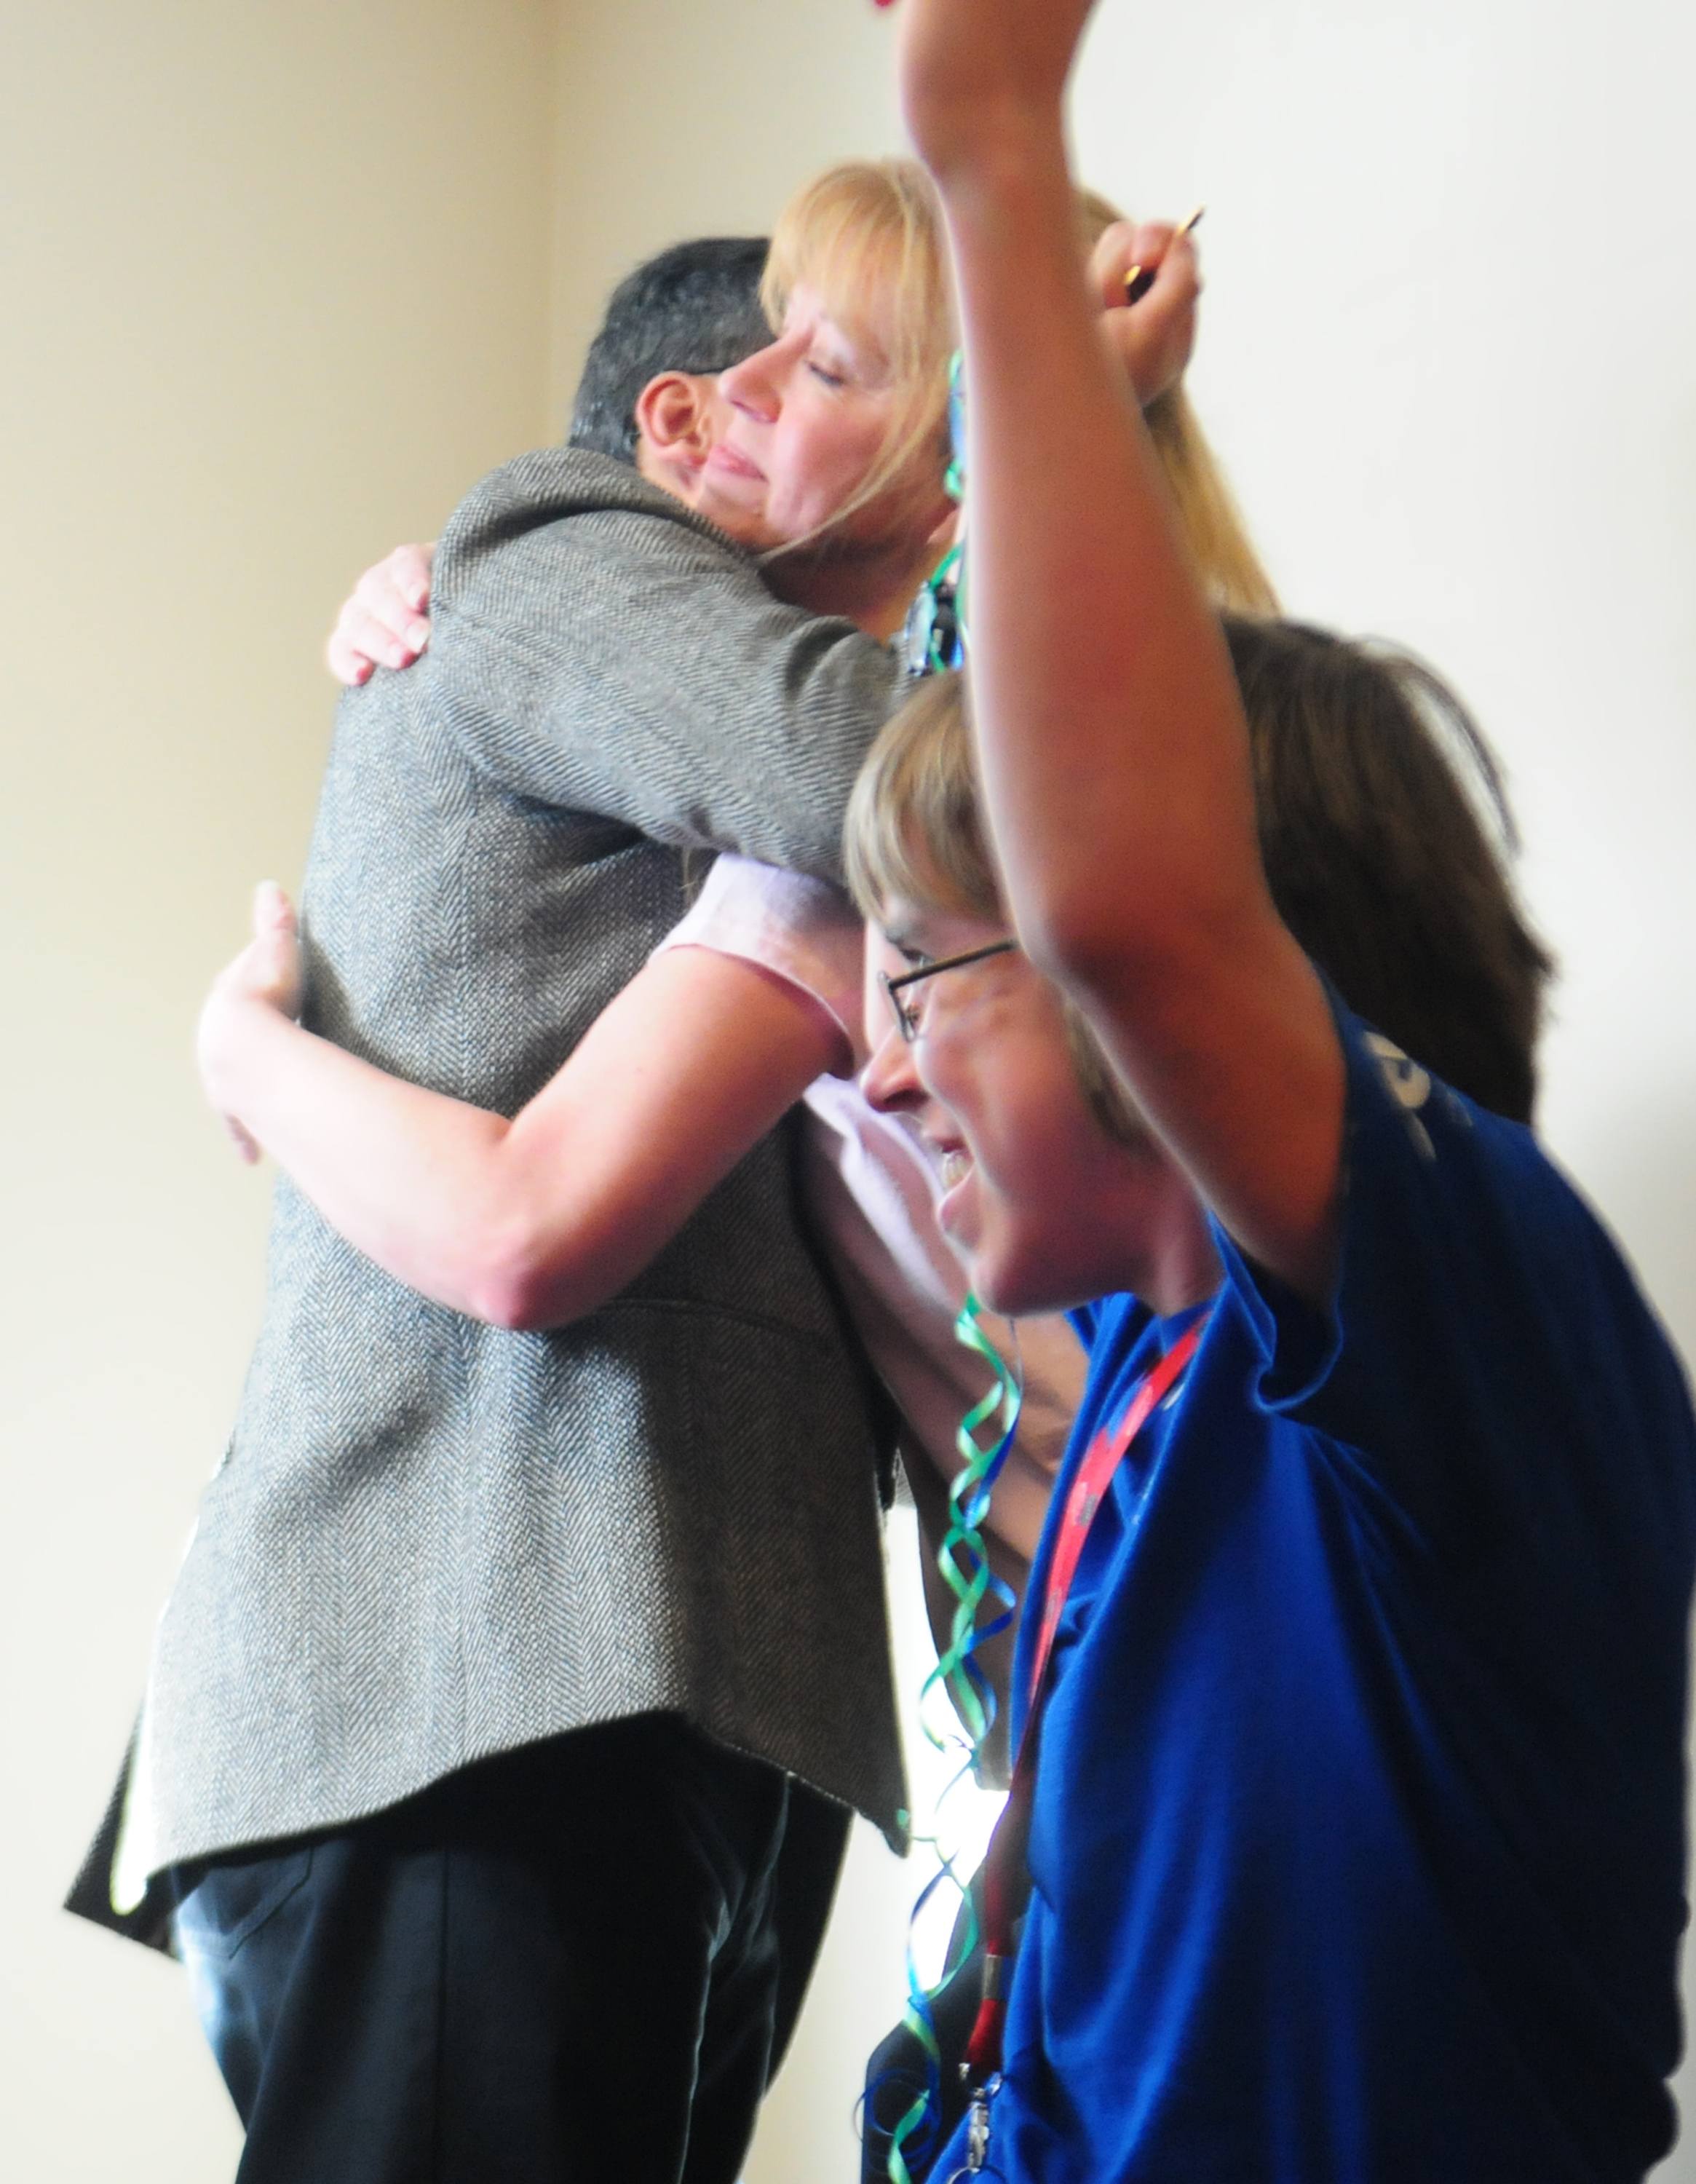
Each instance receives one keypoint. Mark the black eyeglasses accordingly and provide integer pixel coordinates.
(907, 1018)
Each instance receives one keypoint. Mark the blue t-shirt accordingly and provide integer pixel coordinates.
(1357, 1845)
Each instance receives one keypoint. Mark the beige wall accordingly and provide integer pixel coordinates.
(274, 288)
(280, 279)
(677, 120)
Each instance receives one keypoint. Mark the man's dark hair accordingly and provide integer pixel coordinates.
(693, 307)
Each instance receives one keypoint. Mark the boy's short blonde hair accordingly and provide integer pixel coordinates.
(913, 833)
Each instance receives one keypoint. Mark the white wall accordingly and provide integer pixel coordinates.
(281, 278)
(1450, 350)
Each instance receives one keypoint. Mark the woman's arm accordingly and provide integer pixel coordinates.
(1111, 742)
(531, 1222)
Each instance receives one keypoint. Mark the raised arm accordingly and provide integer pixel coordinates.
(530, 1222)
(1112, 746)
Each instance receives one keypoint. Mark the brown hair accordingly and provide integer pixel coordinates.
(1231, 570)
(1377, 800)
(1384, 828)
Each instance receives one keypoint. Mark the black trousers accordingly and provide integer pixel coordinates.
(579, 1960)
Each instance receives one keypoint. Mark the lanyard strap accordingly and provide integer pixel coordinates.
(1006, 1875)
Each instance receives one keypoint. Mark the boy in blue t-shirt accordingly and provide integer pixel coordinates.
(1356, 1842)
(1354, 1836)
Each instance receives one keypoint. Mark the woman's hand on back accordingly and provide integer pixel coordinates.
(383, 623)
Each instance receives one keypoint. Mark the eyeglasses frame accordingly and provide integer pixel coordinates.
(906, 1022)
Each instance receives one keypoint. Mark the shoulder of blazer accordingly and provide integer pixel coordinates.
(551, 484)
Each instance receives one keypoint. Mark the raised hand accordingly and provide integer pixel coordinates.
(383, 624)
(969, 72)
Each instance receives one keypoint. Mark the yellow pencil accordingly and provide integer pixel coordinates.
(1139, 279)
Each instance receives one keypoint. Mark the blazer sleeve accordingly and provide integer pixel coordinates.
(597, 647)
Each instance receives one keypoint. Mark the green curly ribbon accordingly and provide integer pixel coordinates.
(953, 479)
(984, 1437)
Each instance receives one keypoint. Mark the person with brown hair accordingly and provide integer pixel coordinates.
(1346, 1837)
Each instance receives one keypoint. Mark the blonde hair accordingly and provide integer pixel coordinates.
(1231, 571)
(915, 832)
(866, 238)
(872, 229)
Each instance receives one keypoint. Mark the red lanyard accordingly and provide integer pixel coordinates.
(1006, 1876)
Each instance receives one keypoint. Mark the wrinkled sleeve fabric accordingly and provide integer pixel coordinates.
(1483, 1334)
(599, 648)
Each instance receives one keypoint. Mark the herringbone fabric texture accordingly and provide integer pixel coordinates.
(430, 1540)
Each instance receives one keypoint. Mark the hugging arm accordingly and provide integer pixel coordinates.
(597, 648)
(530, 1222)
(1111, 739)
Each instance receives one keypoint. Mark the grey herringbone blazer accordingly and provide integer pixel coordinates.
(430, 1540)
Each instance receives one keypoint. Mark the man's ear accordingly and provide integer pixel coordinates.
(672, 418)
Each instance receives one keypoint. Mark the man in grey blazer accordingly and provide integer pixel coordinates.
(509, 1677)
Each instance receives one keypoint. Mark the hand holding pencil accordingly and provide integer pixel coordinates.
(1149, 283)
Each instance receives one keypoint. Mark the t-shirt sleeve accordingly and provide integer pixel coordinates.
(798, 929)
(1460, 1301)
(1085, 1320)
